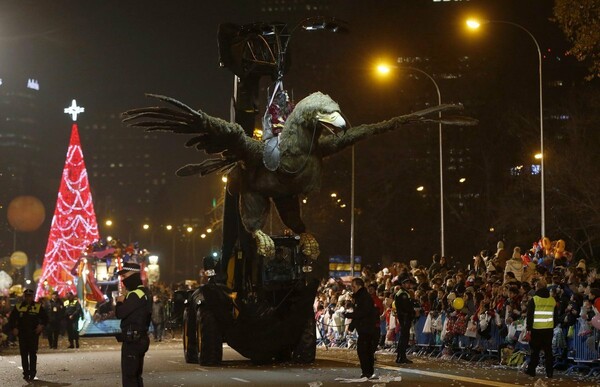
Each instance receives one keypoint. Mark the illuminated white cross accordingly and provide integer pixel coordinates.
(74, 110)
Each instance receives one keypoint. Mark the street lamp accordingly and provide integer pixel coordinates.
(383, 69)
(475, 24)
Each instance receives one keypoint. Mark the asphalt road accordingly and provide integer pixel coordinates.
(97, 363)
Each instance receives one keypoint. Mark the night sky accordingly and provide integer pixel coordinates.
(107, 54)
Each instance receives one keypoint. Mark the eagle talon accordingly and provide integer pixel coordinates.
(264, 244)
(309, 246)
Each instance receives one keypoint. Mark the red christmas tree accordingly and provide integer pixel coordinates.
(74, 225)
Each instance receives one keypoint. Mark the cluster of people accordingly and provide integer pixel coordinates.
(28, 319)
(62, 315)
(530, 298)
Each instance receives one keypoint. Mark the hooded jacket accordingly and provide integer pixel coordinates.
(515, 265)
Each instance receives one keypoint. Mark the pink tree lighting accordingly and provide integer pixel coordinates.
(74, 225)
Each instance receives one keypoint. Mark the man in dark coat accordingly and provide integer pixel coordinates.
(406, 313)
(135, 311)
(364, 317)
(541, 318)
(27, 320)
(158, 318)
(435, 266)
(73, 313)
(56, 313)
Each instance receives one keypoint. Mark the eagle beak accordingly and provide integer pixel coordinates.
(334, 122)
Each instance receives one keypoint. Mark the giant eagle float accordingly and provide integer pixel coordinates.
(280, 170)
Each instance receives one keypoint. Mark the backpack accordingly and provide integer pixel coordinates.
(516, 359)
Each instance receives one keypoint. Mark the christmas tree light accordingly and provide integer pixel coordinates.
(74, 224)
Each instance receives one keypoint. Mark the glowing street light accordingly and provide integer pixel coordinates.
(169, 227)
(420, 188)
(383, 69)
(146, 226)
(462, 180)
(108, 222)
(209, 230)
(203, 235)
(538, 156)
(189, 229)
(224, 179)
(475, 24)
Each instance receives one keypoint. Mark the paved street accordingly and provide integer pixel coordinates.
(97, 363)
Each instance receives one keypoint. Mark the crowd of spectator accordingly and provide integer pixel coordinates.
(494, 289)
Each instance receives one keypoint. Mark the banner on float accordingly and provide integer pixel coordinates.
(340, 266)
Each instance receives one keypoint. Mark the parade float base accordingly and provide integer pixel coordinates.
(88, 326)
(108, 327)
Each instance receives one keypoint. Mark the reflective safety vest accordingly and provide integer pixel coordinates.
(30, 309)
(68, 303)
(543, 316)
(140, 293)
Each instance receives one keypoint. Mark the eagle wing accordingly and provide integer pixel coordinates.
(329, 145)
(212, 135)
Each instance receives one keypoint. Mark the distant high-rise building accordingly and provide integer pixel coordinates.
(23, 167)
(126, 169)
(20, 136)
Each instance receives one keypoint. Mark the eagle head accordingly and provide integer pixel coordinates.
(319, 109)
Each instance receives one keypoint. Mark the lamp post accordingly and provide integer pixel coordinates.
(383, 69)
(352, 217)
(475, 24)
(173, 231)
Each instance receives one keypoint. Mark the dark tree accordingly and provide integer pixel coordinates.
(579, 21)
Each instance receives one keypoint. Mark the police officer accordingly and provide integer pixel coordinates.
(27, 320)
(135, 311)
(56, 311)
(541, 315)
(406, 313)
(73, 312)
(364, 318)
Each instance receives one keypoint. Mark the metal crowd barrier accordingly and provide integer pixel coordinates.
(583, 351)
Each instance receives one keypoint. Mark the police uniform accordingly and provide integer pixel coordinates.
(73, 312)
(135, 312)
(56, 312)
(541, 315)
(405, 312)
(29, 317)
